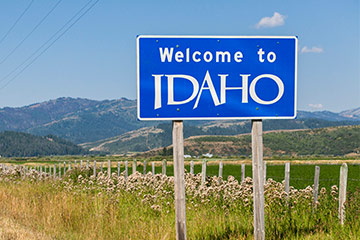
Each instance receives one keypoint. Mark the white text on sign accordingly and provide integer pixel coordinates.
(167, 55)
(197, 90)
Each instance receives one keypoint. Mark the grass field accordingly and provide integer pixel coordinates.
(83, 207)
(301, 176)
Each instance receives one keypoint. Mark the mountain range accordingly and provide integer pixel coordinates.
(112, 125)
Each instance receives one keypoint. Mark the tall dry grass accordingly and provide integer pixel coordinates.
(81, 206)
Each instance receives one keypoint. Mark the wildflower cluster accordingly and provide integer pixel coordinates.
(158, 190)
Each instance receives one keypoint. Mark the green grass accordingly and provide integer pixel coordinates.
(301, 175)
(79, 212)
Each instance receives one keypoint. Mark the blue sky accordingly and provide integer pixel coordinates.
(96, 58)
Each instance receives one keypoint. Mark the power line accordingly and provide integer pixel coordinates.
(52, 43)
(31, 32)
(46, 42)
(17, 20)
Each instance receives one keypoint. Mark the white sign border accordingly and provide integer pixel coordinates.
(216, 37)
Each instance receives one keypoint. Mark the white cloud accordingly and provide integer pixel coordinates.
(316, 105)
(276, 20)
(312, 50)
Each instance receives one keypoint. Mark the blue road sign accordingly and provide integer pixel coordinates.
(216, 77)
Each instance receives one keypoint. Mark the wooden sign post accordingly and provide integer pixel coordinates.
(178, 153)
(258, 179)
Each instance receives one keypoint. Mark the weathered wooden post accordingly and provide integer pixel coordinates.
(109, 169)
(134, 166)
(316, 185)
(178, 154)
(81, 163)
(342, 191)
(87, 164)
(144, 168)
(153, 168)
(287, 178)
(64, 168)
(164, 163)
(220, 169)
(54, 170)
(118, 169)
(242, 172)
(102, 167)
(59, 170)
(94, 173)
(265, 172)
(192, 167)
(258, 179)
(70, 165)
(126, 170)
(203, 172)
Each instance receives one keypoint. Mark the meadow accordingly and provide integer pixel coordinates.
(82, 206)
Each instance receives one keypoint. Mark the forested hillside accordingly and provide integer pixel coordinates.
(145, 139)
(335, 141)
(17, 144)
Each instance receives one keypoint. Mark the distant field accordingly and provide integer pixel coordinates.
(301, 176)
(301, 172)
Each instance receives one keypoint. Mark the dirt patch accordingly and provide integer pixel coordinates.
(10, 230)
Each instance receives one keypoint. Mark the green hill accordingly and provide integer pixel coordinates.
(17, 144)
(148, 138)
(337, 141)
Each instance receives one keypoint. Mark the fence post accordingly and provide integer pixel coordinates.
(41, 169)
(94, 168)
(102, 167)
(54, 170)
(144, 170)
(258, 179)
(126, 170)
(192, 167)
(153, 168)
(59, 170)
(220, 169)
(81, 163)
(342, 191)
(75, 164)
(287, 178)
(316, 185)
(203, 172)
(242, 172)
(118, 169)
(87, 164)
(109, 169)
(164, 166)
(70, 165)
(134, 165)
(64, 168)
